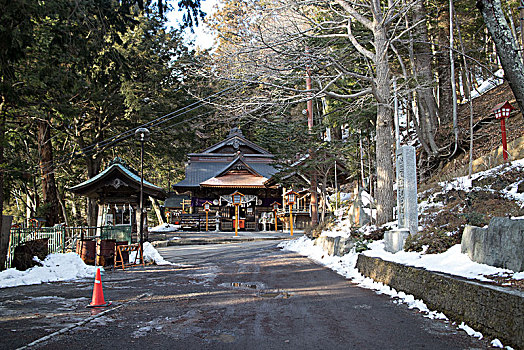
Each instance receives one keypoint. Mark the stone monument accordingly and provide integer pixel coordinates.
(356, 213)
(407, 210)
(264, 221)
(217, 222)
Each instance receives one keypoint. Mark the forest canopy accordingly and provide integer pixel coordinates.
(76, 81)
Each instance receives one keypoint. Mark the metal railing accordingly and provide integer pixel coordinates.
(296, 210)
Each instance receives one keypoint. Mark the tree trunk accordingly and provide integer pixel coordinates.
(336, 133)
(93, 168)
(324, 186)
(427, 106)
(507, 49)
(156, 207)
(49, 194)
(64, 211)
(452, 76)
(3, 257)
(314, 200)
(384, 142)
(444, 74)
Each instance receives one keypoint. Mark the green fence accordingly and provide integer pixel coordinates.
(56, 239)
(62, 238)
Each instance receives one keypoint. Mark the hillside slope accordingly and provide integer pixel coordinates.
(487, 144)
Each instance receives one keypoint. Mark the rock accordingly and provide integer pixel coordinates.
(520, 188)
(499, 245)
(394, 240)
(337, 246)
(24, 253)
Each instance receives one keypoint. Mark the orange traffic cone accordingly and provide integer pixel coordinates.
(98, 293)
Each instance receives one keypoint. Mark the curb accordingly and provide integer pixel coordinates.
(495, 311)
(204, 241)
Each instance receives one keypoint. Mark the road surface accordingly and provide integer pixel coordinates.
(248, 295)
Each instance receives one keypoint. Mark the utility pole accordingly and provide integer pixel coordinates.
(313, 187)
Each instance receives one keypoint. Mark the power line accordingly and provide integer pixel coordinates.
(109, 142)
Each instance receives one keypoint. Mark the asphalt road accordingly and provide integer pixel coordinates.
(246, 295)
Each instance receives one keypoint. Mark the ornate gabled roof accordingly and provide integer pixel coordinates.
(235, 139)
(114, 180)
(213, 164)
(238, 163)
(198, 172)
(236, 174)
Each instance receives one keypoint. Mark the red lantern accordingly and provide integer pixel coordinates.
(502, 111)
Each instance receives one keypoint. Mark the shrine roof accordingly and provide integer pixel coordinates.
(235, 139)
(197, 173)
(89, 187)
(221, 158)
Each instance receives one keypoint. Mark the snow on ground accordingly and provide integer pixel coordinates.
(151, 255)
(489, 84)
(56, 267)
(346, 266)
(164, 228)
(465, 184)
(451, 261)
(66, 267)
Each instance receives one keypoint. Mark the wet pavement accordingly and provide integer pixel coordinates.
(244, 295)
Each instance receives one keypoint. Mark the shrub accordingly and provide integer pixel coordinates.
(436, 240)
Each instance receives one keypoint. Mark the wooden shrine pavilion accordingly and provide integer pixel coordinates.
(213, 175)
(117, 191)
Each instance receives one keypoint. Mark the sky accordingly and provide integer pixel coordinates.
(202, 36)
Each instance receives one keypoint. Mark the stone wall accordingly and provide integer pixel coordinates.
(501, 244)
(495, 311)
(335, 245)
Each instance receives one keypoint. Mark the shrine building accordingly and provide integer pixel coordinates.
(214, 174)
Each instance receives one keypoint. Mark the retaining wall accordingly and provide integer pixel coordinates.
(495, 311)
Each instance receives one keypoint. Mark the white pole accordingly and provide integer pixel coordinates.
(397, 126)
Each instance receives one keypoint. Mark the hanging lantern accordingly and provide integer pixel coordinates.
(291, 197)
(237, 198)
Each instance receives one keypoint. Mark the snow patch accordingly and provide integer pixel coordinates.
(489, 84)
(56, 267)
(151, 255)
(470, 331)
(164, 228)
